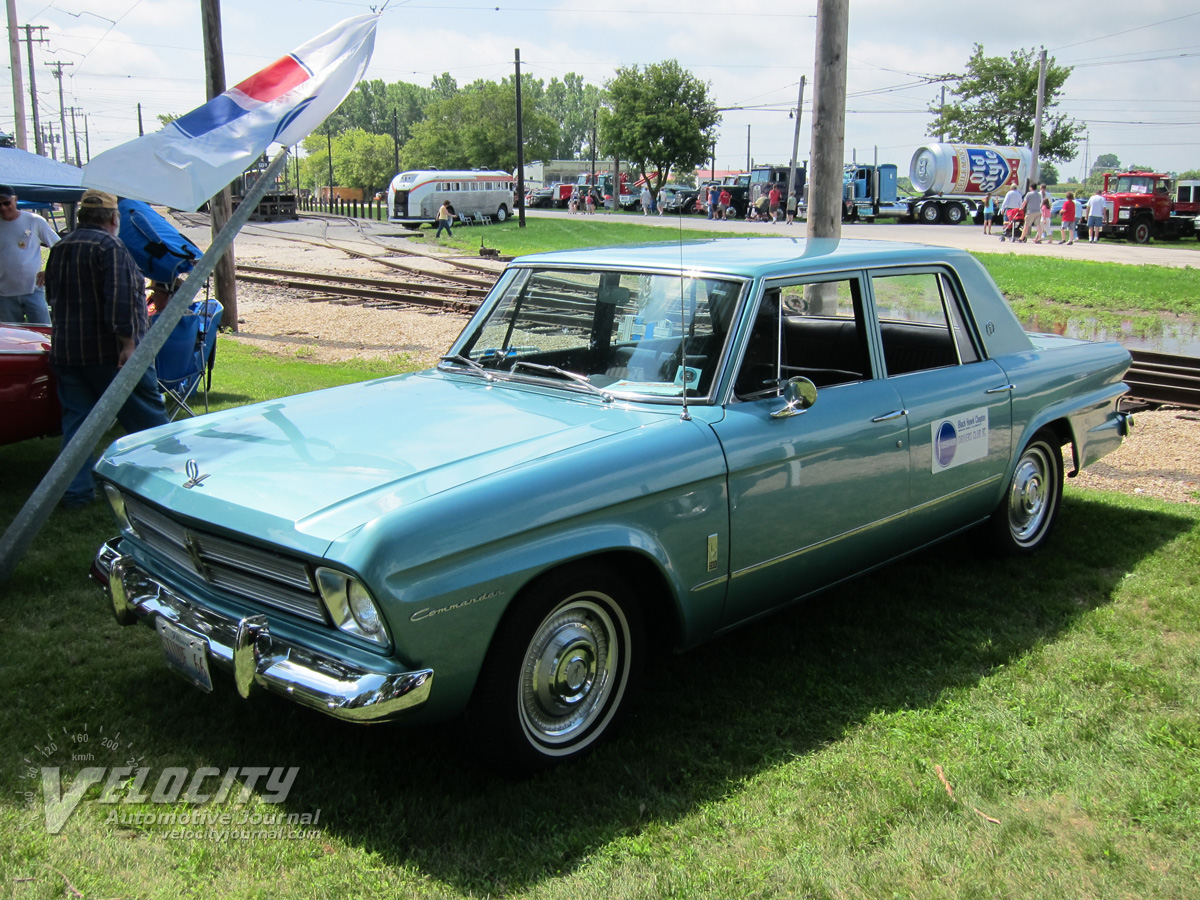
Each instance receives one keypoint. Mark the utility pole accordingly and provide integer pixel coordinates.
(1037, 116)
(396, 141)
(221, 205)
(33, 104)
(747, 148)
(75, 138)
(942, 113)
(791, 188)
(829, 121)
(62, 114)
(49, 139)
(141, 131)
(87, 144)
(593, 142)
(329, 153)
(18, 89)
(520, 147)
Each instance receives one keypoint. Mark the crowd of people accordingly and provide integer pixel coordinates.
(1030, 213)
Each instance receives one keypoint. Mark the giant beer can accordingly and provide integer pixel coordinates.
(970, 169)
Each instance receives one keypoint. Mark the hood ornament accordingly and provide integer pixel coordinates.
(193, 474)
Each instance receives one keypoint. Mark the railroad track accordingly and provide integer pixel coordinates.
(376, 292)
(1164, 379)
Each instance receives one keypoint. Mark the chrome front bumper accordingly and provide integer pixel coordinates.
(246, 648)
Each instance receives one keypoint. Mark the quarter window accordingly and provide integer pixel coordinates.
(921, 323)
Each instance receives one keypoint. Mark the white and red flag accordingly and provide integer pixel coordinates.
(198, 154)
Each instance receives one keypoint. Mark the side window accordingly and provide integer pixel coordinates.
(815, 330)
(921, 322)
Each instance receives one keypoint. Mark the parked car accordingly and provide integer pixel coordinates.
(28, 395)
(627, 450)
(683, 201)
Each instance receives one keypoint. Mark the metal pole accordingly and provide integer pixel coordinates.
(18, 89)
(829, 121)
(37, 508)
(1037, 116)
(520, 198)
(329, 149)
(796, 145)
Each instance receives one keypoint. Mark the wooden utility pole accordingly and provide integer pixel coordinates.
(18, 89)
(221, 206)
(791, 188)
(33, 106)
(520, 198)
(829, 121)
(62, 114)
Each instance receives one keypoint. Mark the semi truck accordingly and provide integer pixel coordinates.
(1139, 206)
(951, 183)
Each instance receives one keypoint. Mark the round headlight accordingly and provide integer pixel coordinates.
(362, 607)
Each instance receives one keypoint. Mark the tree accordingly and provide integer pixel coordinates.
(360, 160)
(573, 105)
(998, 105)
(476, 126)
(1047, 173)
(659, 118)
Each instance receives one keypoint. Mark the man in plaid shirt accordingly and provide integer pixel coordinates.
(98, 296)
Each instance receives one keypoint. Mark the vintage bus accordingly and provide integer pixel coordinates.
(415, 197)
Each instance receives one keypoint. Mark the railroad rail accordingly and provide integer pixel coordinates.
(377, 292)
(1164, 379)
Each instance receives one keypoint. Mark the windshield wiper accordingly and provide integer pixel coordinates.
(469, 363)
(562, 373)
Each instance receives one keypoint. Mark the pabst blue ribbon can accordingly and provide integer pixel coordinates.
(971, 169)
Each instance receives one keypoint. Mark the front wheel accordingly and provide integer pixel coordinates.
(502, 213)
(1139, 232)
(561, 671)
(1022, 522)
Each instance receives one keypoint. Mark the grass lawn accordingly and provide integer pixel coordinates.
(952, 726)
(811, 755)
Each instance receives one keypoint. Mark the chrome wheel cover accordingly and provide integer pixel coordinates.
(1031, 495)
(576, 661)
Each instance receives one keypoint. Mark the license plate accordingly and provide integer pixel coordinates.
(186, 653)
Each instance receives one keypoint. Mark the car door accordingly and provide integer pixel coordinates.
(958, 402)
(818, 495)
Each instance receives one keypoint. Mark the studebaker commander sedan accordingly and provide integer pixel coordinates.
(627, 449)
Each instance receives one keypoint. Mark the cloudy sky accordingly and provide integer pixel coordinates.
(1133, 84)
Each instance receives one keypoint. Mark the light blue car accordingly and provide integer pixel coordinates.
(627, 450)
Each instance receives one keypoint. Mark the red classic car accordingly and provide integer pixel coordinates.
(28, 398)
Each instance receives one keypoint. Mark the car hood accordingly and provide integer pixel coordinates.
(305, 470)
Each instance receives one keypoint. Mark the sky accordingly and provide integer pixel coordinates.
(1135, 66)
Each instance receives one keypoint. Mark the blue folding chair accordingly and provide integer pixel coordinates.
(185, 362)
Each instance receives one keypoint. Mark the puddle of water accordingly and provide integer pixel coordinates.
(1179, 335)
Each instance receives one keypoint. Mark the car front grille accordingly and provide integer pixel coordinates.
(238, 569)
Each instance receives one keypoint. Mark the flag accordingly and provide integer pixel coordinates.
(198, 154)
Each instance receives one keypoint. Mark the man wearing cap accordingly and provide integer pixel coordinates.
(22, 237)
(99, 301)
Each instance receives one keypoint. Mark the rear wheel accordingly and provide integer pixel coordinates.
(1023, 520)
(955, 214)
(502, 213)
(930, 214)
(561, 671)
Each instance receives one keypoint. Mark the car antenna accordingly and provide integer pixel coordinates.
(683, 331)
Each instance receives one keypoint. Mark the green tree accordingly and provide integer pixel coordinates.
(476, 126)
(1047, 172)
(997, 104)
(659, 118)
(573, 105)
(360, 160)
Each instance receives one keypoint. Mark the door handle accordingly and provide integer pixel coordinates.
(895, 414)
(1003, 389)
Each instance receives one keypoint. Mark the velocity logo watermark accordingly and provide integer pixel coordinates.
(127, 785)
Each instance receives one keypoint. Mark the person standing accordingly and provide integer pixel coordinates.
(724, 201)
(989, 211)
(1032, 205)
(1095, 216)
(1067, 234)
(773, 202)
(22, 237)
(645, 199)
(714, 200)
(1012, 203)
(99, 300)
(445, 218)
(1046, 228)
(791, 209)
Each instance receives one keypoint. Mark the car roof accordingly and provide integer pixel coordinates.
(761, 257)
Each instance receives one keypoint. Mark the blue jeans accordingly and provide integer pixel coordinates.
(79, 389)
(29, 308)
(443, 223)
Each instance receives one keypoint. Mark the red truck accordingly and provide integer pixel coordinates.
(1139, 206)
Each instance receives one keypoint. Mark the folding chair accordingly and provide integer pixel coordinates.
(188, 356)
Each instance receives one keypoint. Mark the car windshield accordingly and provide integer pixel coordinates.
(630, 334)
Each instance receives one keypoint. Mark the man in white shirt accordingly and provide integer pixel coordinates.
(22, 237)
(1095, 216)
(1012, 200)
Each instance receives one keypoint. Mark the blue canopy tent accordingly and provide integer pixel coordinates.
(35, 177)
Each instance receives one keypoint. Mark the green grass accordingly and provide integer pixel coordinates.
(794, 758)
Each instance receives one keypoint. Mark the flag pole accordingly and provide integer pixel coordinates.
(37, 508)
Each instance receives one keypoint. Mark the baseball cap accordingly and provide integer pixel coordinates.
(98, 200)
(7, 191)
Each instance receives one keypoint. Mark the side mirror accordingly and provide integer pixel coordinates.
(799, 394)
